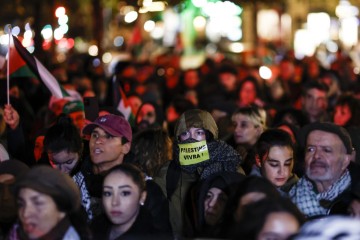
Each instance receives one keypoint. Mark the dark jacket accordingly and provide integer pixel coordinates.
(340, 204)
(142, 228)
(194, 224)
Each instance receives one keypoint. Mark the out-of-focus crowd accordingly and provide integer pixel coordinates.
(153, 151)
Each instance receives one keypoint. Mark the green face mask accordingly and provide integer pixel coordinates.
(193, 153)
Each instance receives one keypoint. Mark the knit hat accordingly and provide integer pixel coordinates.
(331, 128)
(198, 119)
(58, 185)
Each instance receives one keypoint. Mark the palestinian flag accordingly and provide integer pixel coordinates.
(121, 102)
(23, 64)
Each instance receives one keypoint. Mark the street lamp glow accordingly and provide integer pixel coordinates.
(4, 39)
(60, 11)
(27, 26)
(318, 24)
(158, 31)
(149, 25)
(15, 30)
(118, 41)
(199, 23)
(26, 42)
(235, 34)
(93, 50)
(63, 19)
(64, 28)
(147, 3)
(58, 34)
(28, 34)
(236, 47)
(303, 44)
(47, 32)
(157, 6)
(265, 72)
(131, 16)
(199, 3)
(107, 57)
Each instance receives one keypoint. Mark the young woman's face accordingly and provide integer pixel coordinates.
(278, 165)
(214, 206)
(195, 133)
(245, 130)
(279, 226)
(342, 115)
(64, 160)
(37, 212)
(121, 200)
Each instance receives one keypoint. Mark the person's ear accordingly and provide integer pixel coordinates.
(126, 147)
(346, 161)
(143, 198)
(257, 160)
(259, 130)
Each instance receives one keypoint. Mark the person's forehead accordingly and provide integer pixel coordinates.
(344, 107)
(280, 148)
(99, 130)
(215, 190)
(241, 117)
(62, 154)
(119, 178)
(147, 107)
(323, 136)
(194, 129)
(316, 92)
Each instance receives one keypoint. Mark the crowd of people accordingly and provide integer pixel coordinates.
(212, 152)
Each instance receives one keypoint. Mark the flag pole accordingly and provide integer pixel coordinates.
(8, 65)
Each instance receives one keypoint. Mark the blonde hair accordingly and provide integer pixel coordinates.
(256, 115)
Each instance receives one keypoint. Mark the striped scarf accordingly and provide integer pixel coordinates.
(304, 195)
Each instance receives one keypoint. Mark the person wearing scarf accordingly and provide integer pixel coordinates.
(197, 155)
(325, 189)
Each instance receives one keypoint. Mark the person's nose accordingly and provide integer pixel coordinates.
(316, 153)
(99, 139)
(115, 200)
(212, 202)
(61, 167)
(281, 170)
(26, 210)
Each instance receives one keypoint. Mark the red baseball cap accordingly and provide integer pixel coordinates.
(112, 124)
